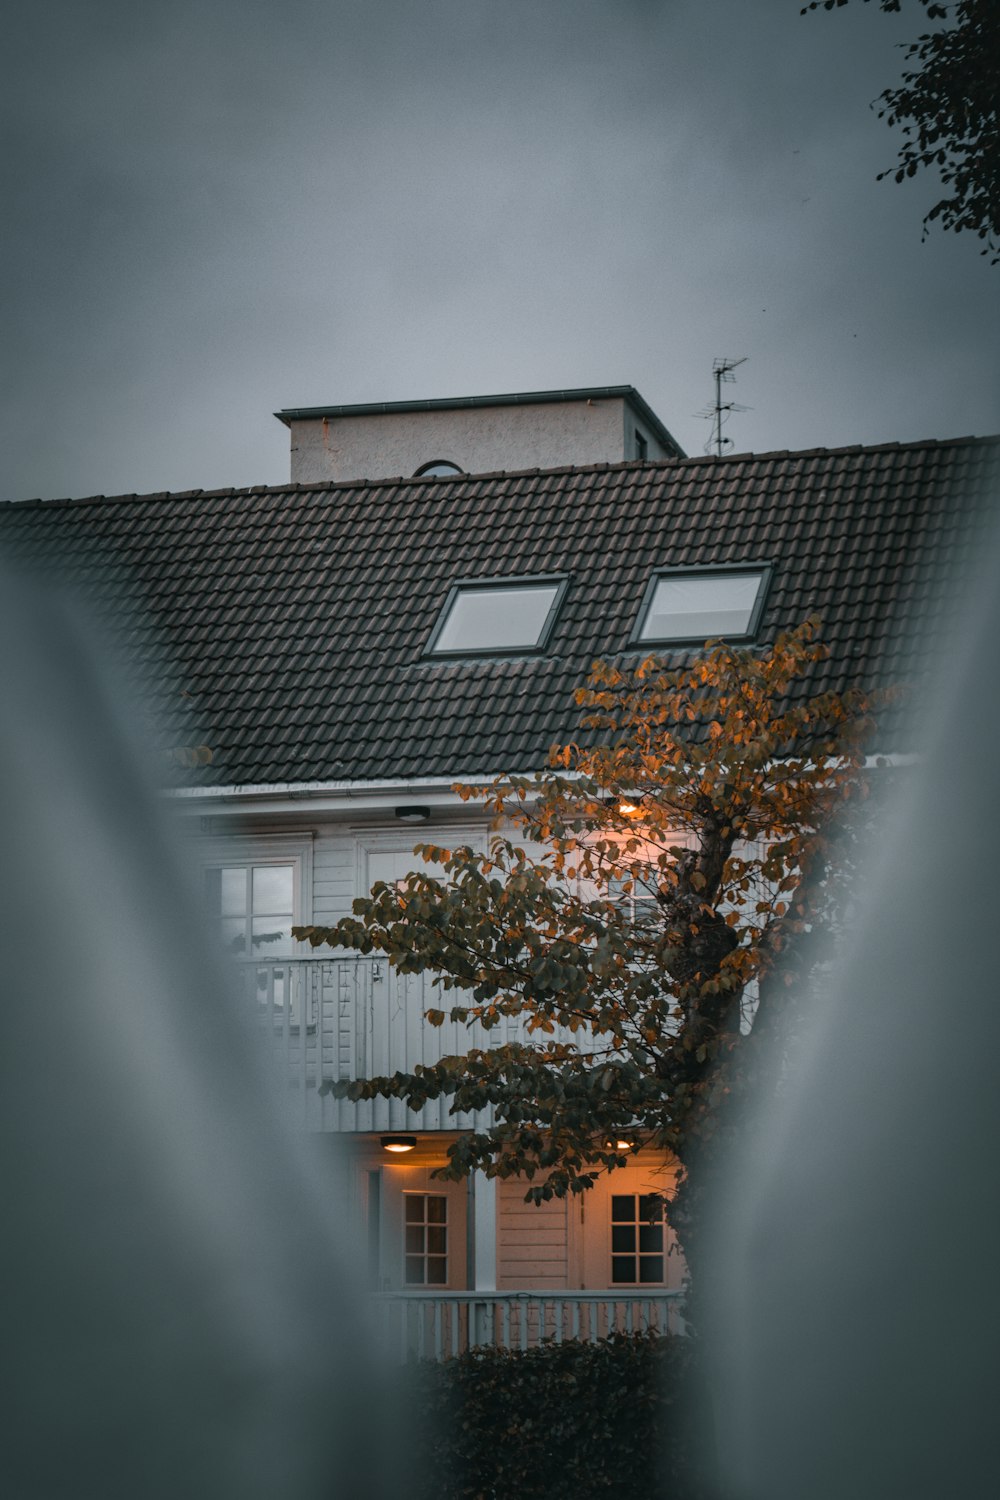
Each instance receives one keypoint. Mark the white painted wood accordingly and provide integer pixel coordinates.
(484, 1207)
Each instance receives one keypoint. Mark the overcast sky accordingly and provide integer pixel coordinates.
(216, 208)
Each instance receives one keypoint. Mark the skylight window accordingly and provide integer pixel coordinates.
(511, 615)
(697, 604)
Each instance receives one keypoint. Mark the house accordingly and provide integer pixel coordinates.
(350, 645)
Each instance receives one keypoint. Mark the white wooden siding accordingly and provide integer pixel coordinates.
(532, 1250)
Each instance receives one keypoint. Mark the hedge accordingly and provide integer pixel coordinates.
(565, 1421)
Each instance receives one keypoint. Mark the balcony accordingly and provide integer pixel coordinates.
(432, 1325)
(330, 1018)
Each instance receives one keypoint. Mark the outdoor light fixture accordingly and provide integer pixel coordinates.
(398, 1143)
(411, 813)
(620, 1145)
(629, 809)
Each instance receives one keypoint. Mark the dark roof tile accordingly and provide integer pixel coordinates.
(296, 616)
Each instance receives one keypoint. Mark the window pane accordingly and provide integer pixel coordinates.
(436, 1209)
(696, 608)
(234, 935)
(233, 891)
(414, 1239)
(622, 1269)
(623, 1208)
(650, 1208)
(271, 937)
(272, 889)
(623, 1237)
(414, 1208)
(414, 1270)
(437, 1270)
(650, 1268)
(651, 1237)
(502, 618)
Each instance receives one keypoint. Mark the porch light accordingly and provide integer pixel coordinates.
(629, 809)
(620, 1145)
(411, 813)
(398, 1143)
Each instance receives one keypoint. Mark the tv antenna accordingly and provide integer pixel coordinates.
(722, 369)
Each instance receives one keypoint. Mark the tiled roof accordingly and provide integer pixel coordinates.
(294, 618)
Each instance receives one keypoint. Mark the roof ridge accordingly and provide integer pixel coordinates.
(637, 466)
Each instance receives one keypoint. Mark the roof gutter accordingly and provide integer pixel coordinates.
(440, 787)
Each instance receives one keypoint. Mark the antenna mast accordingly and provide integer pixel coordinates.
(722, 369)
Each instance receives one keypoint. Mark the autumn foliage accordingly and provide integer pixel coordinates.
(639, 915)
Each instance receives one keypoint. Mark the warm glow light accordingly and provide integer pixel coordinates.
(398, 1143)
(628, 809)
(619, 1145)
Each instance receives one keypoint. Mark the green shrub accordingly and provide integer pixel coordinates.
(564, 1421)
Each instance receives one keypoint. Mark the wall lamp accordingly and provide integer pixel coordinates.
(411, 813)
(398, 1143)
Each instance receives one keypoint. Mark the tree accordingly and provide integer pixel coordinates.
(947, 107)
(641, 903)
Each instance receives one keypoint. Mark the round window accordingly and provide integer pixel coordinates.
(439, 466)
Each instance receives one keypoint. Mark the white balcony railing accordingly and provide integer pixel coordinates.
(333, 1017)
(437, 1325)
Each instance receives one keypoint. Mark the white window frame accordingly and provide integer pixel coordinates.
(215, 852)
(426, 1224)
(636, 1255)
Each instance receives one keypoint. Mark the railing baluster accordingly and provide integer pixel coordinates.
(429, 1325)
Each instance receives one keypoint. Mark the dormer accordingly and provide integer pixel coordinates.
(475, 434)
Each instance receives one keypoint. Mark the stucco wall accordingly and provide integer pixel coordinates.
(480, 440)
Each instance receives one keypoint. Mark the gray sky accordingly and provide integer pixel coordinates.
(216, 208)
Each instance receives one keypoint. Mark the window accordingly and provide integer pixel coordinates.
(487, 619)
(641, 445)
(425, 1225)
(696, 604)
(636, 1239)
(252, 907)
(254, 891)
(641, 902)
(439, 466)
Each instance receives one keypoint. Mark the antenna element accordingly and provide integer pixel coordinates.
(722, 369)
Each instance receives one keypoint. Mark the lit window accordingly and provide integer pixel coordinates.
(697, 604)
(516, 615)
(439, 466)
(426, 1230)
(636, 1239)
